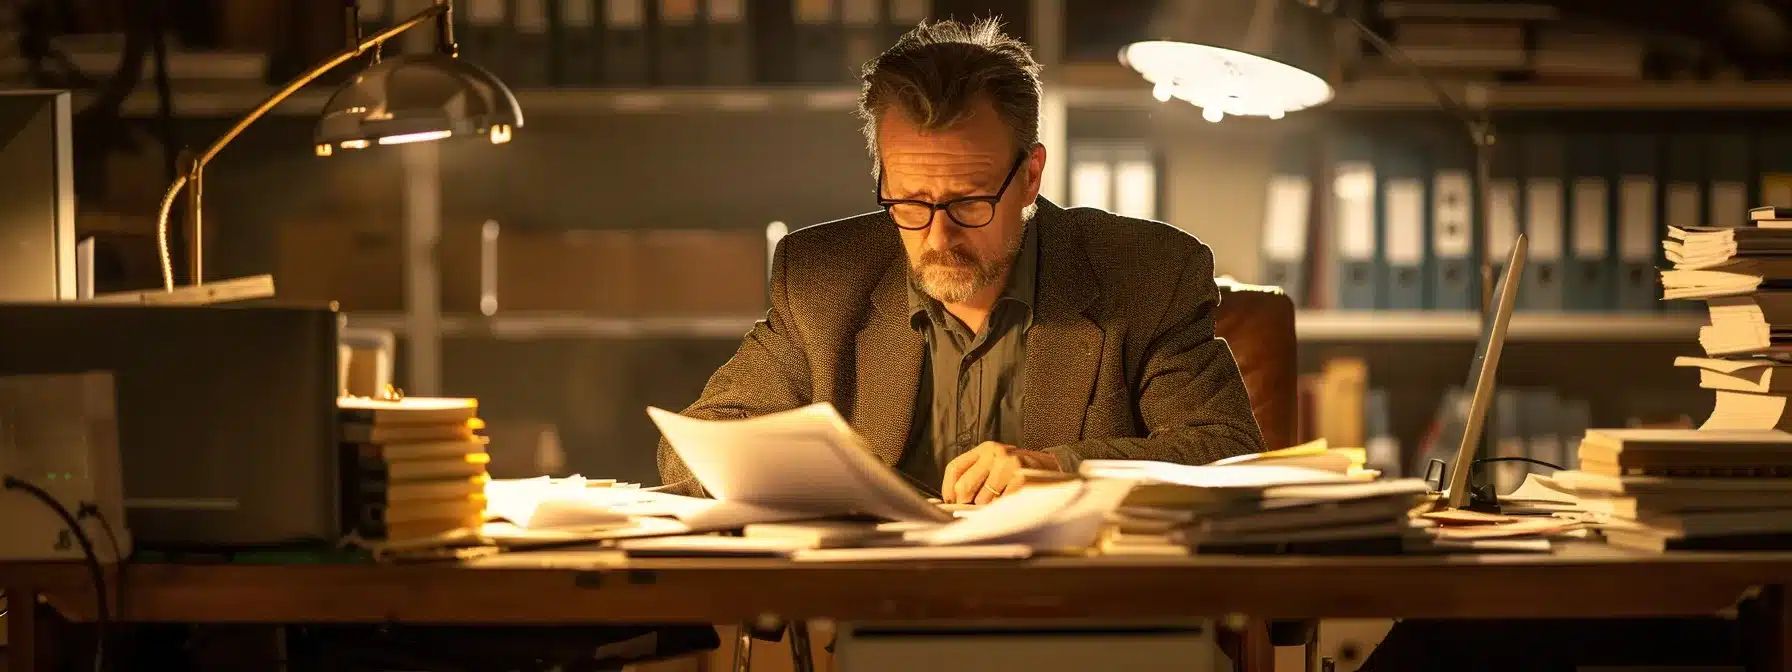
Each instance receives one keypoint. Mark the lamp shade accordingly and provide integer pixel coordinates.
(417, 97)
(1238, 57)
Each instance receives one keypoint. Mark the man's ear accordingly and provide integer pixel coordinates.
(1035, 170)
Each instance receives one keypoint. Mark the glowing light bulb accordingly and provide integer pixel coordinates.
(1277, 114)
(1212, 114)
(1161, 92)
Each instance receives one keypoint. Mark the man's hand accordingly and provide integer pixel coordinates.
(989, 471)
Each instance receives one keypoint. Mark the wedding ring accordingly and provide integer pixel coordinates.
(991, 490)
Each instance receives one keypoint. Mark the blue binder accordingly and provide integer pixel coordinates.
(1727, 193)
(1505, 212)
(1454, 274)
(1683, 201)
(1401, 176)
(1639, 232)
(530, 57)
(578, 52)
(1587, 284)
(1288, 217)
(677, 43)
(627, 61)
(728, 45)
(1545, 206)
(1353, 225)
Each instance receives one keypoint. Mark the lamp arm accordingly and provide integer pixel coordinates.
(435, 10)
(1480, 131)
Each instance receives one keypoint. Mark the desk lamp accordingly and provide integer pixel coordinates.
(1267, 58)
(410, 98)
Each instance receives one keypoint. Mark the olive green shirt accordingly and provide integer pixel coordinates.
(971, 383)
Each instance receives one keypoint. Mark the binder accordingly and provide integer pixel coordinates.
(1727, 197)
(1544, 208)
(483, 36)
(677, 43)
(819, 42)
(1638, 235)
(1354, 232)
(728, 43)
(1776, 169)
(1505, 203)
(626, 57)
(578, 53)
(1587, 285)
(862, 29)
(904, 16)
(530, 57)
(1287, 219)
(1454, 273)
(1400, 206)
(1682, 202)
(374, 16)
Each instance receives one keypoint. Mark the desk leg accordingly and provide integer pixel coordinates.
(1774, 645)
(21, 630)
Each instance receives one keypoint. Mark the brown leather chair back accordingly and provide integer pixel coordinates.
(1258, 323)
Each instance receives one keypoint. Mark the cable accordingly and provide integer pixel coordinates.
(102, 600)
(1540, 463)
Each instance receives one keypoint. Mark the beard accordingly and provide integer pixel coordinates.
(955, 275)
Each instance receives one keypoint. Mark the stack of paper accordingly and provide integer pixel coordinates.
(1256, 508)
(412, 469)
(1656, 490)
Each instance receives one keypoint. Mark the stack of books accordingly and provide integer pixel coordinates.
(1744, 275)
(1704, 489)
(413, 469)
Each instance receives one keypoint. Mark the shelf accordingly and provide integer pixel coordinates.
(1401, 326)
(533, 101)
(1113, 86)
(547, 326)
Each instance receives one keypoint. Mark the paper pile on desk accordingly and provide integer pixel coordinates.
(1657, 490)
(1247, 508)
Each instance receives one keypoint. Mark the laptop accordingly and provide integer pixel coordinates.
(1480, 378)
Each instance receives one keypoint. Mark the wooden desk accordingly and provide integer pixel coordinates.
(1583, 581)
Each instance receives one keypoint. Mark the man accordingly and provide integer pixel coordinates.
(970, 329)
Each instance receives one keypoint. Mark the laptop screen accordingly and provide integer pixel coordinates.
(1482, 369)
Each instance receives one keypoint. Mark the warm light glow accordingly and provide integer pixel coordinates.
(407, 138)
(1223, 82)
(324, 150)
(500, 134)
(354, 144)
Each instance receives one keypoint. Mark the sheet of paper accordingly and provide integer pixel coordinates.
(903, 553)
(712, 545)
(806, 459)
(1232, 476)
(1052, 516)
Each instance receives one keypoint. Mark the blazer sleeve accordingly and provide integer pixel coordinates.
(767, 374)
(1191, 395)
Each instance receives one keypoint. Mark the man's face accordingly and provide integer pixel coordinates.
(949, 262)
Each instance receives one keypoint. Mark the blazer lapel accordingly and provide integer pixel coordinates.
(888, 354)
(1063, 346)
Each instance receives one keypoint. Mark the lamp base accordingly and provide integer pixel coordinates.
(222, 291)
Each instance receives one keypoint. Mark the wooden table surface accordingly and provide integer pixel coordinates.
(1580, 581)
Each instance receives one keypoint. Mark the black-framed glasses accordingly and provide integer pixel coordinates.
(969, 212)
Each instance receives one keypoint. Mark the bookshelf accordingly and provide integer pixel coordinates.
(1398, 326)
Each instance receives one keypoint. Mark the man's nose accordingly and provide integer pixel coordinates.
(939, 231)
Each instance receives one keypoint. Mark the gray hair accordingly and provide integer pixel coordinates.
(935, 72)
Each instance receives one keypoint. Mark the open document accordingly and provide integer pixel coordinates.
(806, 461)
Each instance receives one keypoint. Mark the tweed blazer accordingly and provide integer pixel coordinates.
(1121, 359)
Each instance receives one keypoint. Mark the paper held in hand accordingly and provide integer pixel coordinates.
(806, 460)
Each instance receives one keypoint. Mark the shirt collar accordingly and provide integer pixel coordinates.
(1023, 281)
